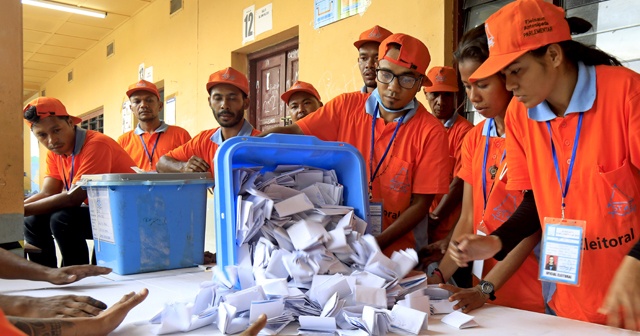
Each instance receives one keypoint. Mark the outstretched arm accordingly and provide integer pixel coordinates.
(92, 326)
(15, 267)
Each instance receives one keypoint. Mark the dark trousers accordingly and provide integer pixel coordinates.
(70, 227)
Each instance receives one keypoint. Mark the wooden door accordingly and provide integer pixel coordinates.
(270, 86)
(272, 71)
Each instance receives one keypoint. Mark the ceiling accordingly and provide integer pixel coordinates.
(53, 39)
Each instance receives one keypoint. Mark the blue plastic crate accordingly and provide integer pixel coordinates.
(148, 222)
(271, 151)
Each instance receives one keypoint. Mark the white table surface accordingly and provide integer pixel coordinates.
(183, 285)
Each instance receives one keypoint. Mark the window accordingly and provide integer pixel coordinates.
(94, 120)
(616, 25)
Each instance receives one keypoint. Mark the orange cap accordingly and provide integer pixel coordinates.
(47, 107)
(376, 34)
(443, 79)
(300, 86)
(229, 76)
(519, 27)
(414, 54)
(143, 85)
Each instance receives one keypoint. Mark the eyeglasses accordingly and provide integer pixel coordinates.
(405, 81)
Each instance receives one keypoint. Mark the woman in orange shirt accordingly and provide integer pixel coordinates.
(564, 87)
(486, 203)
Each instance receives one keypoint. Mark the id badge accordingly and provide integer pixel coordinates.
(375, 216)
(478, 265)
(561, 254)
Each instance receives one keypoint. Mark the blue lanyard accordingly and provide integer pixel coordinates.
(565, 189)
(150, 156)
(68, 185)
(373, 173)
(484, 165)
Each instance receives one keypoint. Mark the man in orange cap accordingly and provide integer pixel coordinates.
(152, 138)
(56, 210)
(405, 147)
(228, 98)
(445, 210)
(301, 98)
(367, 46)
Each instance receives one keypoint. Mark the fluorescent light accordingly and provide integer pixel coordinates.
(66, 8)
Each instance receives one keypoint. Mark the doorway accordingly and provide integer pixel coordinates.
(272, 71)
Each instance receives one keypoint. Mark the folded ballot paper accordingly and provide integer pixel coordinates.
(302, 255)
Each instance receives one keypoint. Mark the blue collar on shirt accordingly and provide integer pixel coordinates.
(161, 129)
(244, 131)
(81, 135)
(364, 89)
(372, 101)
(493, 132)
(449, 123)
(582, 98)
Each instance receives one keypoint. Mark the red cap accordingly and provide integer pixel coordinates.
(47, 107)
(443, 79)
(414, 54)
(300, 86)
(229, 76)
(143, 85)
(376, 34)
(519, 27)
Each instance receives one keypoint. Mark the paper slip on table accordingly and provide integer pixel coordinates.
(183, 285)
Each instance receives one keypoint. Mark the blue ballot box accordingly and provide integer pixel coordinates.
(269, 152)
(147, 222)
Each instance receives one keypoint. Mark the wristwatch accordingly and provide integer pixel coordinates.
(487, 288)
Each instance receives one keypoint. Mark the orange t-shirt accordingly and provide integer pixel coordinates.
(417, 162)
(8, 329)
(163, 139)
(522, 290)
(97, 154)
(205, 144)
(456, 134)
(605, 187)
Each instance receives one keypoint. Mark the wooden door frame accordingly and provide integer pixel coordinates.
(253, 73)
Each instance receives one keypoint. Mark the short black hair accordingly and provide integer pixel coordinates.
(473, 46)
(31, 115)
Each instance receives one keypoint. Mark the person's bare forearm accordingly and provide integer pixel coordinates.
(167, 164)
(36, 197)
(291, 129)
(451, 200)
(55, 202)
(42, 327)
(416, 212)
(15, 267)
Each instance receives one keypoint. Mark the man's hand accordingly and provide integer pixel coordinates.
(473, 247)
(255, 328)
(434, 221)
(70, 274)
(468, 298)
(622, 303)
(434, 252)
(112, 317)
(196, 165)
(55, 306)
(101, 325)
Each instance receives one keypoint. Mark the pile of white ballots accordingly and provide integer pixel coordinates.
(304, 256)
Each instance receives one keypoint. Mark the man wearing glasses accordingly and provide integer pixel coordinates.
(404, 146)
